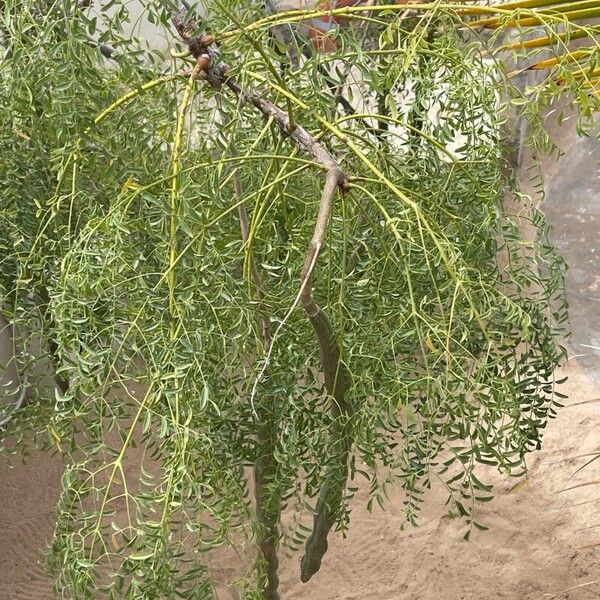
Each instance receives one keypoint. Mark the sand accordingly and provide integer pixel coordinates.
(536, 547)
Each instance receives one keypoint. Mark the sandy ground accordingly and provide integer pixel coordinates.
(536, 546)
(540, 544)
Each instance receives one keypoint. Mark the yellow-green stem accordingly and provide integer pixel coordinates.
(175, 186)
(131, 95)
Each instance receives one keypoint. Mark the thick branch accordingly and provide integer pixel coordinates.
(338, 381)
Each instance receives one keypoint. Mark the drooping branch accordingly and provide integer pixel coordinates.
(338, 379)
(217, 75)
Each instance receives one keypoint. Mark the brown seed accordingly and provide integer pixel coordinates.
(207, 40)
(202, 63)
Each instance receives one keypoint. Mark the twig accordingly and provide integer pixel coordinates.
(17, 405)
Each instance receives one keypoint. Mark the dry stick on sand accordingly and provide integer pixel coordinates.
(338, 379)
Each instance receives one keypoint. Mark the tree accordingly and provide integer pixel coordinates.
(232, 275)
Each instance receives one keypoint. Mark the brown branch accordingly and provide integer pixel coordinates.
(217, 75)
(333, 180)
(338, 379)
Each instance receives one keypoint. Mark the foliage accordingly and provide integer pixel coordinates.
(183, 359)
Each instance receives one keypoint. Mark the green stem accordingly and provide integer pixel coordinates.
(175, 184)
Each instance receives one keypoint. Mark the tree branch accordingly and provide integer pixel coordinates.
(338, 379)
